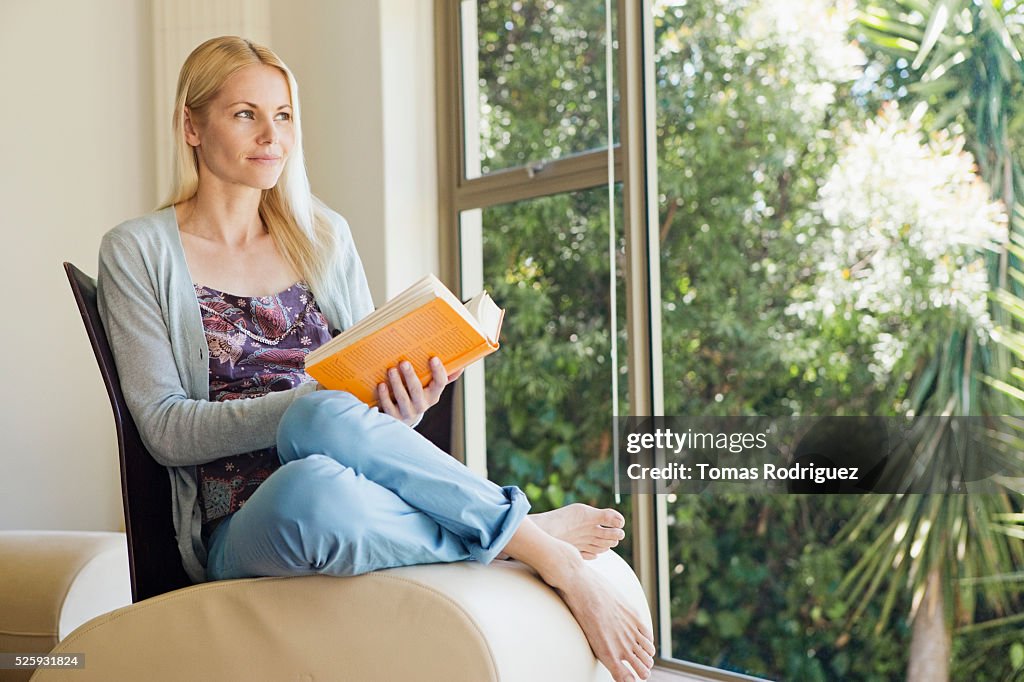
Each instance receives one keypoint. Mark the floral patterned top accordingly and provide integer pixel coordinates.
(257, 345)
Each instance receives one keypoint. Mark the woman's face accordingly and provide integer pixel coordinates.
(246, 134)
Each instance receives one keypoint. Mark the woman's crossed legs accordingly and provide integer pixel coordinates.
(359, 491)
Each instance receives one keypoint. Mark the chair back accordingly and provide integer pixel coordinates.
(153, 557)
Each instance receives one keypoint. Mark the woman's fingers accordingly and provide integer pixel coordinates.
(404, 397)
(400, 394)
(417, 401)
(387, 406)
(438, 380)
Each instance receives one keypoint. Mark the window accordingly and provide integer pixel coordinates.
(728, 119)
(525, 193)
(546, 260)
(530, 207)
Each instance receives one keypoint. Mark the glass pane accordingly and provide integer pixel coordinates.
(534, 81)
(549, 387)
(752, 96)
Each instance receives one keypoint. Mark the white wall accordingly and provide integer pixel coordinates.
(78, 148)
(75, 163)
(366, 82)
(410, 134)
(333, 50)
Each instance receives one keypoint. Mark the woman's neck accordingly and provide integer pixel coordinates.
(228, 218)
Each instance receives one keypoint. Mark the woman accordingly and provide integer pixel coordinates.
(219, 295)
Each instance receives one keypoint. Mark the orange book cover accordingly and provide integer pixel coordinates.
(432, 328)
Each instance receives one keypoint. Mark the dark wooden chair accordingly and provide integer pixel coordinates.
(153, 558)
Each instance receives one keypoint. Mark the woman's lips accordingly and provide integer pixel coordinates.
(267, 160)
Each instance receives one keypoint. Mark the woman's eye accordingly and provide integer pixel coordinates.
(245, 114)
(284, 116)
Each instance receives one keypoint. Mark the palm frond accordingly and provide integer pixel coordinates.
(968, 60)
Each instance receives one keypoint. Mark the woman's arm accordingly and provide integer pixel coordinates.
(177, 430)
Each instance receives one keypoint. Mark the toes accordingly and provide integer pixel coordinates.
(615, 534)
(622, 672)
(612, 518)
(598, 547)
(643, 670)
(645, 658)
(646, 640)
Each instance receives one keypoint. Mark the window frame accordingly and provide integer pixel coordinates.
(635, 167)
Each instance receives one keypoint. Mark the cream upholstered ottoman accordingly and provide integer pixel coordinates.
(53, 581)
(440, 622)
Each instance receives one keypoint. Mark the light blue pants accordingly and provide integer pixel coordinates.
(359, 491)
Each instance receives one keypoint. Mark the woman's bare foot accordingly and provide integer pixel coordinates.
(621, 639)
(588, 529)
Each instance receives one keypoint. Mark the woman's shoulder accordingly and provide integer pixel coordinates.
(157, 223)
(144, 232)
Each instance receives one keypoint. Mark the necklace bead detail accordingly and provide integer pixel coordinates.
(299, 320)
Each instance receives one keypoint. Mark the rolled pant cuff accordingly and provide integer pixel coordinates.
(519, 507)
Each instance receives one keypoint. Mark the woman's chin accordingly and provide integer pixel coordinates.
(264, 178)
(265, 183)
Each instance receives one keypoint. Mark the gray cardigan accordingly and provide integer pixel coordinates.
(149, 309)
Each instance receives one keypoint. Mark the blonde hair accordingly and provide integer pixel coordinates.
(296, 220)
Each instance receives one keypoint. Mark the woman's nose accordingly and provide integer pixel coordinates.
(268, 133)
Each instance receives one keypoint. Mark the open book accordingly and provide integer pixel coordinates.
(423, 321)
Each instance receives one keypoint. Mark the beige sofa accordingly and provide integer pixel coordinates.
(53, 581)
(443, 622)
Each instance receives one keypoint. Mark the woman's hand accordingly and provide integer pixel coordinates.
(406, 400)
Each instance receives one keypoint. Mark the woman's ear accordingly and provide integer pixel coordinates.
(191, 135)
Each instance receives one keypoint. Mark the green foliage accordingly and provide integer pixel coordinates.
(967, 68)
(549, 392)
(542, 96)
(743, 155)
(542, 80)
(751, 100)
(753, 582)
